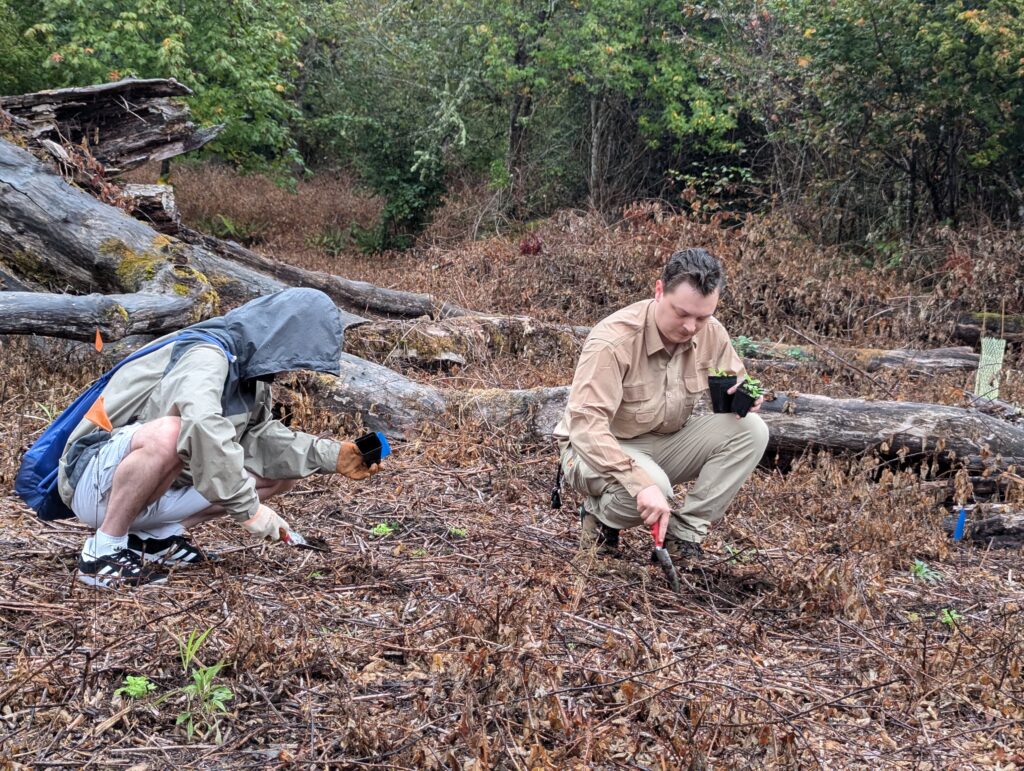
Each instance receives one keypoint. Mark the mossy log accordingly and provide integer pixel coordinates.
(923, 362)
(123, 124)
(971, 327)
(55, 235)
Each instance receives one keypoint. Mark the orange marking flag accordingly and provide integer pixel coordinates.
(97, 414)
(99, 341)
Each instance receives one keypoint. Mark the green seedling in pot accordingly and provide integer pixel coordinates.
(720, 373)
(746, 395)
(751, 387)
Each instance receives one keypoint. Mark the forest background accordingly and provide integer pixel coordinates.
(871, 122)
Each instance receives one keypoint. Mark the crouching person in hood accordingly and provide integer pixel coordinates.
(185, 434)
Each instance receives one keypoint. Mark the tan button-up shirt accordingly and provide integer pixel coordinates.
(627, 384)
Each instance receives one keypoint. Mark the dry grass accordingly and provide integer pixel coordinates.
(475, 635)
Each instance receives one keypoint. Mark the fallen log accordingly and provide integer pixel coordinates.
(115, 316)
(382, 398)
(123, 124)
(463, 339)
(991, 524)
(57, 235)
(357, 296)
(971, 327)
(924, 362)
(153, 204)
(955, 434)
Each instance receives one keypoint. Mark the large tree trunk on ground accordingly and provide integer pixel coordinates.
(383, 399)
(929, 362)
(798, 422)
(78, 317)
(56, 234)
(123, 124)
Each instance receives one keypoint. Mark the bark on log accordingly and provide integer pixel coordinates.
(385, 400)
(928, 362)
(798, 422)
(464, 338)
(58, 235)
(124, 124)
(357, 296)
(971, 327)
(77, 317)
(155, 205)
(992, 524)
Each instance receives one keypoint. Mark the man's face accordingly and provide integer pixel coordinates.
(683, 312)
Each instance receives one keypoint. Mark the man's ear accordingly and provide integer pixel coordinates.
(659, 289)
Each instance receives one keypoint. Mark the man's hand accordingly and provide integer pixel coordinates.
(757, 404)
(652, 506)
(350, 463)
(266, 523)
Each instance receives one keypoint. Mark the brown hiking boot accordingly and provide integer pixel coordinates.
(595, 532)
(683, 551)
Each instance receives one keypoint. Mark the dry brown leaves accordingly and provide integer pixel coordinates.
(475, 635)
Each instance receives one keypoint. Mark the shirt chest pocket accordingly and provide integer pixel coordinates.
(640, 408)
(697, 384)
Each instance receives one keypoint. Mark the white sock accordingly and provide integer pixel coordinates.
(102, 545)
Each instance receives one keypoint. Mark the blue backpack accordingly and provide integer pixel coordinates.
(36, 482)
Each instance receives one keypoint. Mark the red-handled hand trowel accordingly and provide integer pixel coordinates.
(662, 557)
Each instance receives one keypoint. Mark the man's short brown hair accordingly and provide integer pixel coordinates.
(697, 266)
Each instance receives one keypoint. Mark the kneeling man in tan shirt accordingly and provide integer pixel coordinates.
(628, 434)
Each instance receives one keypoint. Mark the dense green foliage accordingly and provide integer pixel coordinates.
(877, 118)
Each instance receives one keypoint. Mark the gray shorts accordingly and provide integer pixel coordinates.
(158, 520)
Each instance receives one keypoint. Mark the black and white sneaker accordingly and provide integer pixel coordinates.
(124, 568)
(174, 550)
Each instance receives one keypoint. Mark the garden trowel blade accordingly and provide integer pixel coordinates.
(293, 538)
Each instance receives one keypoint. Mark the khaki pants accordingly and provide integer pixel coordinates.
(718, 451)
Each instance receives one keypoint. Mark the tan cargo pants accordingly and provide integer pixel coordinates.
(718, 451)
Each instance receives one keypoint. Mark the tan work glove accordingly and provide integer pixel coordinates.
(266, 523)
(350, 463)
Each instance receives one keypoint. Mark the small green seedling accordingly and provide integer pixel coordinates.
(457, 532)
(949, 617)
(720, 373)
(798, 353)
(207, 701)
(744, 345)
(315, 574)
(382, 530)
(418, 553)
(921, 570)
(135, 687)
(751, 387)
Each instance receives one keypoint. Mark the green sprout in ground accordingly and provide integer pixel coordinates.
(205, 698)
(382, 530)
(135, 687)
(457, 532)
(949, 617)
(921, 570)
(744, 345)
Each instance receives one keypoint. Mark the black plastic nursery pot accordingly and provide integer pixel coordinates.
(719, 385)
(742, 402)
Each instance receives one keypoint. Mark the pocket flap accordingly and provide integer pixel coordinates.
(637, 392)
